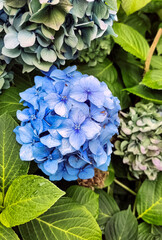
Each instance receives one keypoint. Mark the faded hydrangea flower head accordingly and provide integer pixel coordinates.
(67, 125)
(140, 140)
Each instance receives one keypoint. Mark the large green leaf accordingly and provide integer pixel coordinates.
(7, 233)
(153, 79)
(28, 197)
(9, 101)
(122, 226)
(86, 197)
(131, 40)
(131, 6)
(146, 93)
(153, 6)
(159, 45)
(156, 62)
(149, 232)
(107, 72)
(149, 201)
(66, 220)
(10, 164)
(107, 207)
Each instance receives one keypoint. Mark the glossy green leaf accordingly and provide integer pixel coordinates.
(122, 226)
(131, 40)
(131, 6)
(107, 207)
(150, 208)
(146, 93)
(153, 6)
(7, 233)
(28, 197)
(156, 62)
(107, 72)
(66, 220)
(149, 232)
(9, 101)
(10, 164)
(110, 177)
(153, 79)
(86, 197)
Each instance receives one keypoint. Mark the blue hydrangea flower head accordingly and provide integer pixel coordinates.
(68, 124)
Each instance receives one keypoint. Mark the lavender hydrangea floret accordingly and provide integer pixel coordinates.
(68, 124)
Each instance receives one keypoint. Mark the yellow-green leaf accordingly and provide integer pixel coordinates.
(7, 233)
(131, 6)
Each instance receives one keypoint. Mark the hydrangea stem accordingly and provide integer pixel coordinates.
(125, 187)
(152, 49)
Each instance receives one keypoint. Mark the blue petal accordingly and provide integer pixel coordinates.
(23, 115)
(98, 114)
(61, 108)
(51, 166)
(90, 84)
(96, 147)
(26, 152)
(16, 131)
(66, 147)
(51, 141)
(97, 98)
(100, 159)
(66, 128)
(76, 162)
(77, 116)
(71, 170)
(90, 128)
(77, 139)
(26, 133)
(40, 151)
(78, 93)
(87, 172)
(52, 99)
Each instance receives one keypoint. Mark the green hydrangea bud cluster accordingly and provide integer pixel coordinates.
(97, 52)
(140, 140)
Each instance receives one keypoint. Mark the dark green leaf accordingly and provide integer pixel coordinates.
(153, 6)
(107, 207)
(150, 208)
(122, 226)
(7, 233)
(149, 232)
(146, 93)
(28, 197)
(9, 101)
(86, 197)
(66, 220)
(107, 72)
(10, 164)
(131, 40)
(153, 79)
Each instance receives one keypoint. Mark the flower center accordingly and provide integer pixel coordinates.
(64, 98)
(33, 117)
(77, 126)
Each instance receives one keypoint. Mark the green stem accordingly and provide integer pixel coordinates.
(125, 187)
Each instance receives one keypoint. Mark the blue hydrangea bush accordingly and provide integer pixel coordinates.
(67, 125)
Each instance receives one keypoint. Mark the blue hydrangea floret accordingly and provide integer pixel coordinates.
(68, 124)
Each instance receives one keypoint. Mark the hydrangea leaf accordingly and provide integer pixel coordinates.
(107, 207)
(123, 225)
(10, 164)
(65, 220)
(146, 93)
(26, 38)
(131, 6)
(153, 79)
(156, 62)
(9, 101)
(28, 197)
(131, 40)
(150, 208)
(149, 232)
(86, 197)
(7, 233)
(16, 3)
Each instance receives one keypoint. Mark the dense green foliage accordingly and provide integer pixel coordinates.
(126, 208)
